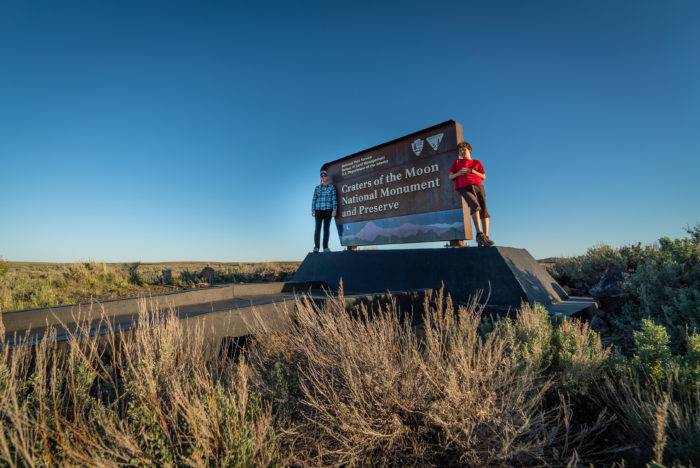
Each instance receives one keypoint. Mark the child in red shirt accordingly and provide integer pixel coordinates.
(469, 176)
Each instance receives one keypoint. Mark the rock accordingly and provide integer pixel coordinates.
(611, 284)
(600, 325)
(609, 291)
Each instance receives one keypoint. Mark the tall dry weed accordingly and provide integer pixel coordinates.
(366, 388)
(656, 421)
(149, 396)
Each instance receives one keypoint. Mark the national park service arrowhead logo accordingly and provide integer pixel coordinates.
(417, 146)
(435, 140)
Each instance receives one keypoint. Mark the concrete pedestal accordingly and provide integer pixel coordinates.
(505, 276)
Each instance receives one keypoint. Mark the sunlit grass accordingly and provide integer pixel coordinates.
(31, 285)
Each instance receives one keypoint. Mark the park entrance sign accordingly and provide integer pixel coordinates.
(400, 191)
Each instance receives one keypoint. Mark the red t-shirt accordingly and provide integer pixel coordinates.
(467, 179)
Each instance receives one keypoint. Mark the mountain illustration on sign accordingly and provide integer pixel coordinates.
(372, 232)
(435, 140)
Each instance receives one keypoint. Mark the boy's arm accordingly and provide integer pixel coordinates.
(478, 174)
(454, 175)
(481, 173)
(463, 171)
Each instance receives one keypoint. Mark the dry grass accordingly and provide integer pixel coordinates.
(344, 386)
(147, 397)
(365, 388)
(659, 421)
(29, 285)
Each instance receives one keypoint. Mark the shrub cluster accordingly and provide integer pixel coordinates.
(63, 284)
(153, 396)
(661, 283)
(349, 385)
(43, 285)
(365, 388)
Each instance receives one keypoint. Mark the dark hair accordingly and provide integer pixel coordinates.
(464, 144)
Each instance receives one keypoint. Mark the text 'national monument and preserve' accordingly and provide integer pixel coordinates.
(400, 191)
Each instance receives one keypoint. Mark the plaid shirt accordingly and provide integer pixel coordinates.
(325, 198)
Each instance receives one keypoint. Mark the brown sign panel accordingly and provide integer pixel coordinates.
(400, 191)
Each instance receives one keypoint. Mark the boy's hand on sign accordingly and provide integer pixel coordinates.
(334, 213)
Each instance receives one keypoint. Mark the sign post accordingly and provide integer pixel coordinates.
(400, 191)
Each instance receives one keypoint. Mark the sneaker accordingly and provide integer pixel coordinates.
(315, 249)
(480, 239)
(487, 242)
(326, 249)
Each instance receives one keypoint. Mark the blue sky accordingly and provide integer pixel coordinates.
(163, 131)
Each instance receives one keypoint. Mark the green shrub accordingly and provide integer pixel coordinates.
(652, 353)
(579, 356)
(663, 285)
(584, 271)
(690, 364)
(188, 278)
(666, 289)
(568, 351)
(528, 336)
(134, 276)
(5, 286)
(42, 295)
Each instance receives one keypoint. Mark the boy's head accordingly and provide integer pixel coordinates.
(464, 150)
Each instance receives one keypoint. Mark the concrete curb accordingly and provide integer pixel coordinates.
(20, 320)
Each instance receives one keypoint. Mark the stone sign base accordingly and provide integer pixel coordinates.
(505, 276)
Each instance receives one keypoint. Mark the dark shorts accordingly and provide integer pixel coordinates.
(475, 196)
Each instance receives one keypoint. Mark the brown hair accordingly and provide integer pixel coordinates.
(464, 144)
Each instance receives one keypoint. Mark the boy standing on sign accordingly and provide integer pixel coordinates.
(469, 175)
(323, 207)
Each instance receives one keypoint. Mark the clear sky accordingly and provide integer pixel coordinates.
(163, 131)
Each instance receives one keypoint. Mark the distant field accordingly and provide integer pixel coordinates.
(33, 284)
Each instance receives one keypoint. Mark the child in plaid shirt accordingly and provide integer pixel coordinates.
(323, 207)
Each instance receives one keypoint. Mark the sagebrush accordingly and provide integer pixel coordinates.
(346, 385)
(30, 285)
